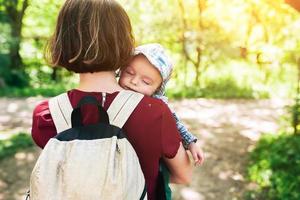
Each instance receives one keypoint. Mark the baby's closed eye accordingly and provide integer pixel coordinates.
(129, 72)
(147, 81)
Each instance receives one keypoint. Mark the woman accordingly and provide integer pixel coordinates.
(94, 38)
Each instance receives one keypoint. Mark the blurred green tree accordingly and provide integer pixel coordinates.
(248, 41)
(12, 14)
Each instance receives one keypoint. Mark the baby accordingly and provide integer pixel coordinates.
(148, 73)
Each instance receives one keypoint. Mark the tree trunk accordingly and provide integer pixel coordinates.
(296, 106)
(198, 67)
(16, 18)
(15, 58)
(198, 63)
(17, 76)
(54, 74)
(183, 40)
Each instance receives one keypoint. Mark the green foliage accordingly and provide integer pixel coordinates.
(228, 88)
(205, 33)
(46, 91)
(275, 167)
(17, 78)
(225, 88)
(12, 12)
(12, 145)
(4, 36)
(12, 77)
(4, 63)
(295, 113)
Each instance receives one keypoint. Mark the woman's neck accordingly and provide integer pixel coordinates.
(99, 82)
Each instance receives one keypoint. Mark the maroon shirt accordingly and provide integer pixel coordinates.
(151, 129)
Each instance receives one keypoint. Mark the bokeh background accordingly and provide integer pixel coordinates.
(235, 84)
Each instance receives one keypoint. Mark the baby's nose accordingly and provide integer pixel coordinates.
(134, 80)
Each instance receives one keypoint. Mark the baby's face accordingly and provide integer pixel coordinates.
(140, 76)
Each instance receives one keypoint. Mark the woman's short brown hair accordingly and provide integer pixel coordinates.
(91, 36)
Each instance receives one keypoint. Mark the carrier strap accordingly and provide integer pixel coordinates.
(61, 109)
(122, 107)
(119, 111)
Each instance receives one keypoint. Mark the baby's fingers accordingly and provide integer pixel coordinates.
(197, 161)
(200, 158)
(195, 156)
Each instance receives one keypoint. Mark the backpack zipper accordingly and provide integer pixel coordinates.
(103, 98)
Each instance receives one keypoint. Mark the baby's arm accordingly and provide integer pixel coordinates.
(187, 136)
(189, 140)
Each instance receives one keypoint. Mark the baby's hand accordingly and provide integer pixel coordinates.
(197, 153)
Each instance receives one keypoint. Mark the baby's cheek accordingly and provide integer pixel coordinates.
(149, 91)
(122, 82)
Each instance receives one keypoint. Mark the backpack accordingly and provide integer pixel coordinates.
(91, 162)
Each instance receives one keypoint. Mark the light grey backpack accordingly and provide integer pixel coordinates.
(93, 162)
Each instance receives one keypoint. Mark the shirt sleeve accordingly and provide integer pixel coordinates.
(186, 135)
(170, 138)
(43, 127)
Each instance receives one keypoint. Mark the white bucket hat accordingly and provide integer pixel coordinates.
(156, 55)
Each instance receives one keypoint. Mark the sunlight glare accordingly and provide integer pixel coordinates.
(12, 107)
(190, 194)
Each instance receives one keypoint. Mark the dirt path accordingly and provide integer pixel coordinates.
(227, 130)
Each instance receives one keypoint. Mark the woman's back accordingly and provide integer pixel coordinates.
(94, 39)
(150, 129)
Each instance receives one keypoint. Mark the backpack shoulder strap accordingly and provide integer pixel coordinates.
(61, 109)
(122, 107)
